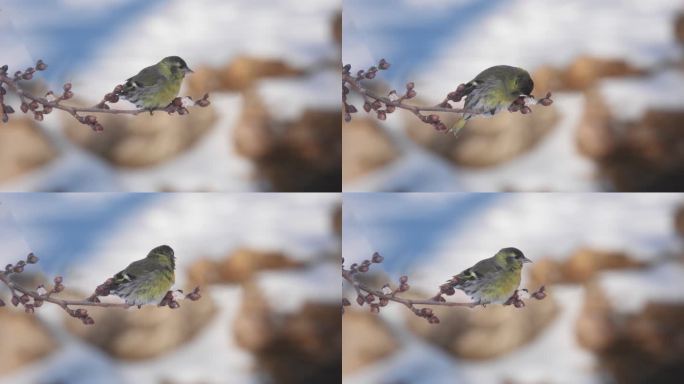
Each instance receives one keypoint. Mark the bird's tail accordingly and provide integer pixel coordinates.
(459, 125)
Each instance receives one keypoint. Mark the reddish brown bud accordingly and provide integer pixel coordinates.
(383, 64)
(360, 300)
(377, 258)
(366, 106)
(382, 115)
(403, 279)
(58, 280)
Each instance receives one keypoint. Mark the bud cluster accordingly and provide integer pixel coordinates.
(38, 107)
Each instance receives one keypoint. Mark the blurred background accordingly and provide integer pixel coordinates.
(267, 266)
(615, 68)
(271, 68)
(613, 265)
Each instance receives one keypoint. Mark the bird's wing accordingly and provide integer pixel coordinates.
(483, 269)
(148, 77)
(134, 270)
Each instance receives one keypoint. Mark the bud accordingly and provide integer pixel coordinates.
(41, 66)
(360, 300)
(345, 302)
(403, 279)
(58, 280)
(383, 64)
(382, 115)
(15, 301)
(366, 106)
(377, 258)
(67, 87)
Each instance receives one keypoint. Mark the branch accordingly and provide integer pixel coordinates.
(384, 105)
(367, 295)
(31, 300)
(41, 106)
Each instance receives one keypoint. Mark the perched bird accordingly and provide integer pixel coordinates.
(156, 86)
(146, 281)
(493, 280)
(493, 90)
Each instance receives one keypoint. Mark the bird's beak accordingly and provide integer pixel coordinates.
(526, 260)
(188, 70)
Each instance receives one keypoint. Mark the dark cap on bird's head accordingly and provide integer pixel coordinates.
(525, 84)
(163, 250)
(177, 62)
(516, 254)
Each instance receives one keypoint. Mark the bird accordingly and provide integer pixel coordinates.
(493, 280)
(157, 85)
(492, 91)
(146, 281)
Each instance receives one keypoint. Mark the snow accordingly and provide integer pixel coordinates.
(97, 47)
(88, 237)
(443, 44)
(430, 237)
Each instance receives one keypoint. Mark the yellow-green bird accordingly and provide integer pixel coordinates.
(146, 281)
(493, 280)
(492, 91)
(156, 86)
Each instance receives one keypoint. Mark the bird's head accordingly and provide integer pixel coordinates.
(163, 255)
(176, 65)
(522, 83)
(512, 258)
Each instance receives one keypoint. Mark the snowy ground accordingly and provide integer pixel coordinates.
(88, 237)
(430, 237)
(439, 44)
(96, 46)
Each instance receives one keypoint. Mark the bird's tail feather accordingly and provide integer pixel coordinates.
(459, 125)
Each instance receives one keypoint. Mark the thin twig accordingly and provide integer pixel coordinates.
(384, 105)
(41, 106)
(22, 296)
(367, 295)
